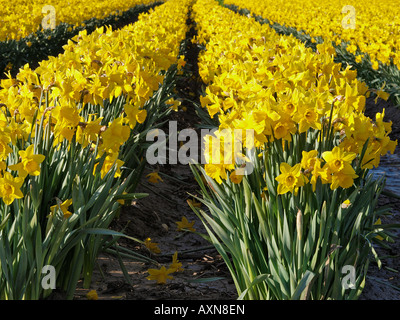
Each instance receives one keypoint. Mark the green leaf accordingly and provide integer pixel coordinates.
(4, 222)
(304, 286)
(130, 196)
(204, 280)
(260, 278)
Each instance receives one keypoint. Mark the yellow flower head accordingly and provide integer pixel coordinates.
(89, 132)
(174, 104)
(30, 163)
(346, 203)
(290, 178)
(236, 176)
(344, 180)
(3, 166)
(160, 275)
(152, 246)
(318, 172)
(63, 207)
(184, 224)
(134, 115)
(154, 177)
(92, 295)
(5, 150)
(194, 203)
(176, 266)
(308, 159)
(115, 136)
(338, 167)
(10, 188)
(109, 162)
(339, 161)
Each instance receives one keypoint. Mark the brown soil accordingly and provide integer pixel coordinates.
(155, 216)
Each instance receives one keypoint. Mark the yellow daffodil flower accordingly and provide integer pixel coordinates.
(152, 246)
(184, 224)
(30, 163)
(92, 295)
(176, 266)
(154, 177)
(63, 207)
(10, 188)
(160, 275)
(290, 178)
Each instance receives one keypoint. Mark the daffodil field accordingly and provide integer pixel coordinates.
(363, 34)
(285, 193)
(32, 31)
(17, 24)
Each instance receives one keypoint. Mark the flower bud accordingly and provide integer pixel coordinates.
(299, 224)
